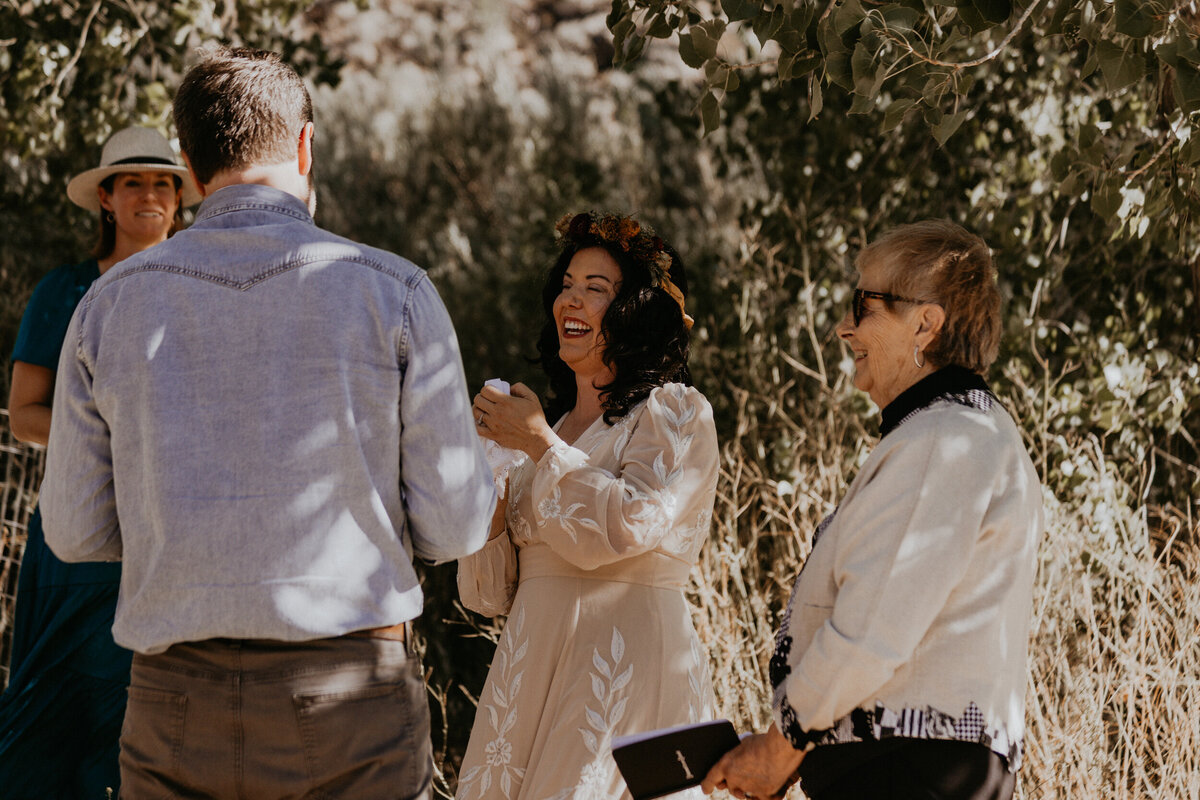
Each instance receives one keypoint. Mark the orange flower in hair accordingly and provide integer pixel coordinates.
(610, 230)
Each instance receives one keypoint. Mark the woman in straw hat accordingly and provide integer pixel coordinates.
(61, 713)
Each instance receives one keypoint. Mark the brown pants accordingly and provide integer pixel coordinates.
(259, 719)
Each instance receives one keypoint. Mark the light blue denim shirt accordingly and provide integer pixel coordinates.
(264, 422)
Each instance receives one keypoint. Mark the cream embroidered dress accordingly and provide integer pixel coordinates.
(599, 641)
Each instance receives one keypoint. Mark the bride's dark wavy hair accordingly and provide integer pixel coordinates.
(646, 340)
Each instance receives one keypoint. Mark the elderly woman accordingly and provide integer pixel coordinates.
(899, 668)
(603, 522)
(62, 711)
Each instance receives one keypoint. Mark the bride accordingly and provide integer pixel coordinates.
(591, 551)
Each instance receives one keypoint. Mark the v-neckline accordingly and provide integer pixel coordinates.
(558, 426)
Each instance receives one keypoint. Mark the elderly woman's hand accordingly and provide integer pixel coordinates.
(513, 420)
(762, 766)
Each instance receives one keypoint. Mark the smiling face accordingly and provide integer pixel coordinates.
(589, 285)
(143, 205)
(883, 341)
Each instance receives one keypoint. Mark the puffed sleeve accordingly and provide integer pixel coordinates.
(666, 480)
(906, 537)
(487, 579)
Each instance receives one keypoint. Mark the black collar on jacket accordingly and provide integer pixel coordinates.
(952, 381)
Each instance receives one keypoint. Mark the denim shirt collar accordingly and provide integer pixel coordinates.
(252, 197)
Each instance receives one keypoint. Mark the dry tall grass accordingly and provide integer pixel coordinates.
(1115, 654)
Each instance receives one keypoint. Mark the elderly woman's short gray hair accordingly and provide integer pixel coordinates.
(940, 262)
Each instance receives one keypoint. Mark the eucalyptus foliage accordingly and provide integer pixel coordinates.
(1060, 131)
(74, 71)
(1130, 70)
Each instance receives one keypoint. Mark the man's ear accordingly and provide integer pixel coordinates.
(304, 154)
(187, 162)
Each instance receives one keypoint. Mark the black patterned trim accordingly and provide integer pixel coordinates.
(799, 738)
(881, 722)
(778, 668)
(953, 384)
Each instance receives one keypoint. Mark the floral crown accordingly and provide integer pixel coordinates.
(638, 240)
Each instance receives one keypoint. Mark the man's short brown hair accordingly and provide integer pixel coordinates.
(239, 107)
(937, 261)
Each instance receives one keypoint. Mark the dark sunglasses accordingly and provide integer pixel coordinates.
(859, 309)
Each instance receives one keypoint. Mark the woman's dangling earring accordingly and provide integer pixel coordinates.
(111, 219)
(917, 352)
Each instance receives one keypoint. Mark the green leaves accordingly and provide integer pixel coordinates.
(1187, 87)
(659, 27)
(994, 11)
(1133, 18)
(1120, 65)
(766, 26)
(980, 15)
(741, 9)
(892, 61)
(720, 76)
(1106, 198)
(710, 112)
(949, 123)
(71, 72)
(688, 52)
(627, 44)
(847, 17)
(705, 37)
(797, 65)
(895, 113)
(899, 19)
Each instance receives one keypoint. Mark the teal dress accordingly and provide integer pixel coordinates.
(61, 714)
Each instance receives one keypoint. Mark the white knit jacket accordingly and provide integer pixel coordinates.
(911, 616)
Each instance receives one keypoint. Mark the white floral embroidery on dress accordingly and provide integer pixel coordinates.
(659, 507)
(697, 708)
(518, 484)
(551, 509)
(622, 431)
(502, 715)
(608, 686)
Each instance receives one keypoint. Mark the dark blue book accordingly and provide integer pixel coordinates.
(658, 763)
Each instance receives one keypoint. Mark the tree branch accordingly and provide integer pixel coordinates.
(1161, 152)
(979, 61)
(751, 65)
(74, 59)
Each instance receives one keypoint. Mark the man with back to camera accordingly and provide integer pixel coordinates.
(265, 422)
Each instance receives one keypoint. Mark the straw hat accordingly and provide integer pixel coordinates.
(131, 150)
